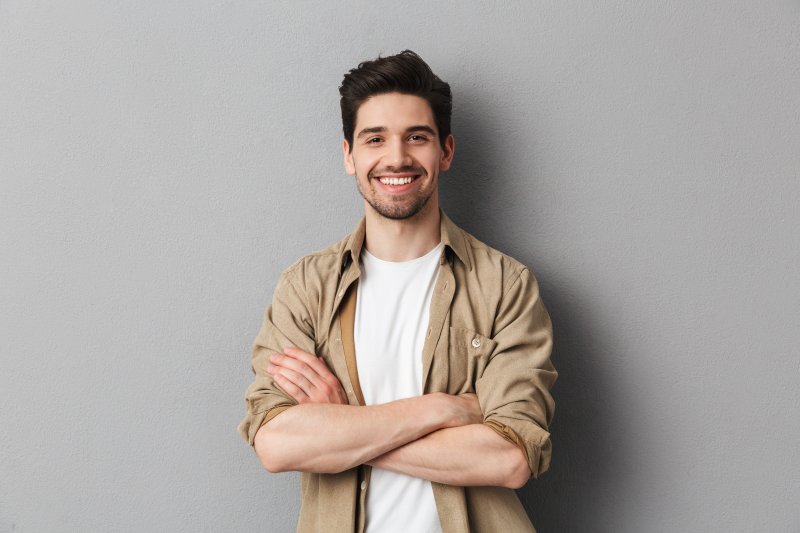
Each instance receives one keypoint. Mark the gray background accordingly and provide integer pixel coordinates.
(162, 162)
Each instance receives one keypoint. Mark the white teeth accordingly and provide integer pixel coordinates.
(396, 181)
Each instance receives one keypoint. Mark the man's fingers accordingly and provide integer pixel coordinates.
(308, 373)
(300, 374)
(288, 361)
(300, 380)
(291, 389)
(308, 358)
(316, 363)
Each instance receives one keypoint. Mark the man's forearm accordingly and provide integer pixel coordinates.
(466, 456)
(329, 438)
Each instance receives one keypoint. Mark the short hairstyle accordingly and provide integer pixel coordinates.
(404, 73)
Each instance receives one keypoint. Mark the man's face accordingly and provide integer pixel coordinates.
(396, 156)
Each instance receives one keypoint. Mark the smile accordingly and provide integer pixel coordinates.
(397, 181)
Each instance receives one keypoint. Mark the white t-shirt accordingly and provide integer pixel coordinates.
(392, 311)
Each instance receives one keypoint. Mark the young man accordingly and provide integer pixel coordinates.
(404, 370)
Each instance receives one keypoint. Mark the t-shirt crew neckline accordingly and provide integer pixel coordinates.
(400, 264)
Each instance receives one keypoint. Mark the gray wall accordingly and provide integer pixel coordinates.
(162, 162)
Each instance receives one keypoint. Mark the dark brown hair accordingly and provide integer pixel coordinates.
(404, 73)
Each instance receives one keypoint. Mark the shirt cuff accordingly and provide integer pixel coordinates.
(536, 454)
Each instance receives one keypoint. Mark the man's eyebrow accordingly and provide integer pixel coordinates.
(368, 131)
(426, 129)
(382, 129)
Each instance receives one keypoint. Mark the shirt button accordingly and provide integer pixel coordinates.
(476, 342)
(363, 485)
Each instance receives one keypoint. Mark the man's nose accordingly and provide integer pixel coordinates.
(398, 155)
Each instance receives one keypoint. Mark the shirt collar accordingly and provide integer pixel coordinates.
(451, 235)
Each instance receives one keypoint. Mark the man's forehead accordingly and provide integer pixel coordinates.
(394, 111)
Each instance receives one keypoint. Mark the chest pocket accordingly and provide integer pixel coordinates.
(468, 354)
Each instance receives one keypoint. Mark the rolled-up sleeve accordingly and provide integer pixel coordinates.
(286, 323)
(514, 389)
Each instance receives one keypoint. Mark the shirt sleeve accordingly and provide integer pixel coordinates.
(287, 322)
(514, 389)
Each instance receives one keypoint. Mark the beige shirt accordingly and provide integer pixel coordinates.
(489, 333)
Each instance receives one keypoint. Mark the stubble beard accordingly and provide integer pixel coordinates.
(394, 210)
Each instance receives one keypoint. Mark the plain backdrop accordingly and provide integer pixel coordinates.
(162, 162)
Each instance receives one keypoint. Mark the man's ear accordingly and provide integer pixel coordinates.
(448, 151)
(349, 166)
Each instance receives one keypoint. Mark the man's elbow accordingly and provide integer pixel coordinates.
(265, 448)
(518, 472)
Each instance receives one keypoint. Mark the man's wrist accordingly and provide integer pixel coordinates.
(430, 412)
(439, 410)
(439, 407)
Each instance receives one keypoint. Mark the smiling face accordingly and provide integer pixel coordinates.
(396, 156)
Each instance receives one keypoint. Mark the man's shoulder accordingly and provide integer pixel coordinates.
(318, 265)
(488, 261)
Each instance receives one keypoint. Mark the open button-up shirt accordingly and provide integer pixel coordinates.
(488, 333)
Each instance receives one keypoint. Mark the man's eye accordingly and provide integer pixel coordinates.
(418, 138)
(374, 140)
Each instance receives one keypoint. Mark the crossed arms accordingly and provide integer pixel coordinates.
(438, 437)
(298, 417)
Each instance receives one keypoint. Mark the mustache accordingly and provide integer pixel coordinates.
(396, 170)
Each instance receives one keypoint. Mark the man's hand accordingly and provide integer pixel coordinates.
(305, 377)
(465, 409)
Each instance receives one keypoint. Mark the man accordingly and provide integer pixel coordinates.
(404, 370)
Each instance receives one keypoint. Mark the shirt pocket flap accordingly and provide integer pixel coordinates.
(468, 342)
(468, 355)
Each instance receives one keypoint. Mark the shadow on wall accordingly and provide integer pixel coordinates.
(589, 439)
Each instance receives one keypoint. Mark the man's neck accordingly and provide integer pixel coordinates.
(402, 240)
